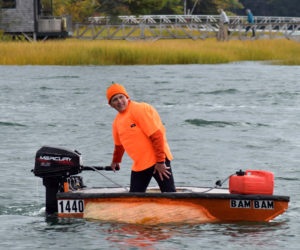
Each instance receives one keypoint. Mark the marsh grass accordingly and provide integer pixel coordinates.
(111, 52)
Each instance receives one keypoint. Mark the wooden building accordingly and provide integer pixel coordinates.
(26, 17)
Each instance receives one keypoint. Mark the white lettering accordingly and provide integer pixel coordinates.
(55, 158)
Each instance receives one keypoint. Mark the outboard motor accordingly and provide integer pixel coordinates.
(57, 162)
(55, 166)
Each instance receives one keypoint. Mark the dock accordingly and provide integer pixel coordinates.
(154, 27)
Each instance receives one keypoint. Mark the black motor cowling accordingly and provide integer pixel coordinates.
(56, 166)
(57, 162)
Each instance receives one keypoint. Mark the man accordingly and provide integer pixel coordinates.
(250, 20)
(223, 26)
(138, 130)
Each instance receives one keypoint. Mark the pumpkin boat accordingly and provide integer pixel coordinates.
(248, 198)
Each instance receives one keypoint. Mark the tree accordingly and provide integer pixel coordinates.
(285, 8)
(228, 4)
(79, 9)
(272, 7)
(211, 6)
(170, 7)
(7, 4)
(258, 7)
(130, 7)
(46, 6)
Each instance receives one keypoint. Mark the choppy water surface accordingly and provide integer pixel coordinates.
(219, 119)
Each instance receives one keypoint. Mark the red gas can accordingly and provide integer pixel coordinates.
(252, 182)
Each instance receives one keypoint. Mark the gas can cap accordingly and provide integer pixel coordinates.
(240, 173)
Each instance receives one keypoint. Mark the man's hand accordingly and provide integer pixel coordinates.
(115, 166)
(162, 170)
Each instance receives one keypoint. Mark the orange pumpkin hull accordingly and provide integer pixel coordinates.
(167, 208)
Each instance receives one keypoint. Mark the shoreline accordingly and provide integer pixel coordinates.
(72, 52)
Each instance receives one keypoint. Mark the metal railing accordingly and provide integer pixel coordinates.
(183, 26)
(173, 19)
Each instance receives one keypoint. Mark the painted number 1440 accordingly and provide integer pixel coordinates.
(70, 206)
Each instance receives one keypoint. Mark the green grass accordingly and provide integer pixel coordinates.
(111, 52)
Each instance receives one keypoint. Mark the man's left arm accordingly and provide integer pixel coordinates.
(157, 140)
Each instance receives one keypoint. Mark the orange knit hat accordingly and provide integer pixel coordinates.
(115, 89)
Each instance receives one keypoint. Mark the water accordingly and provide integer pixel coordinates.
(219, 119)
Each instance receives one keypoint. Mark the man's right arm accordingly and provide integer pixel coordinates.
(117, 157)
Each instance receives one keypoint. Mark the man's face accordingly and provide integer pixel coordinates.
(119, 102)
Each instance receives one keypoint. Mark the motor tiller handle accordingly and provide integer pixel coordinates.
(106, 168)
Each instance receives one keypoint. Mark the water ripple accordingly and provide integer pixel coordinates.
(45, 88)
(220, 92)
(57, 77)
(13, 124)
(205, 123)
(288, 178)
